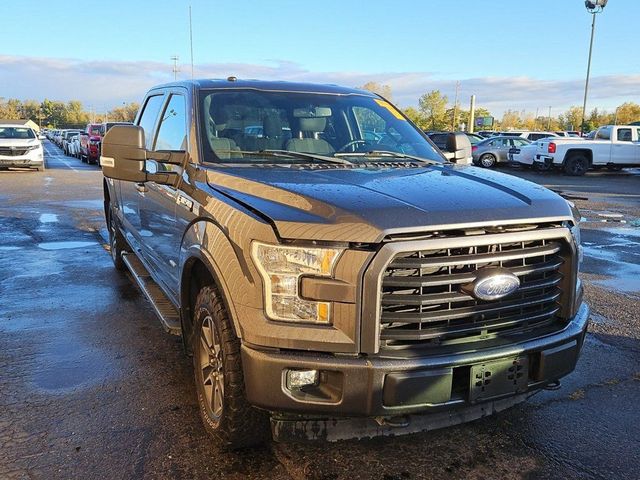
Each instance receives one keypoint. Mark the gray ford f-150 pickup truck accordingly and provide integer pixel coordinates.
(330, 282)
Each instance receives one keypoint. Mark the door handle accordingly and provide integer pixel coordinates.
(141, 187)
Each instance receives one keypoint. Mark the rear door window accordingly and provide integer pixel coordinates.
(624, 135)
(149, 118)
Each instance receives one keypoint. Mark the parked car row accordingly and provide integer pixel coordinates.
(82, 144)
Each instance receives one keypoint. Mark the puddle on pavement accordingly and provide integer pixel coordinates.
(625, 271)
(48, 218)
(64, 245)
(92, 204)
(67, 367)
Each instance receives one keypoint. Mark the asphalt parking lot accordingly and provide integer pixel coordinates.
(92, 387)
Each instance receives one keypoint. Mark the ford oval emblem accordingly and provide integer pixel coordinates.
(493, 284)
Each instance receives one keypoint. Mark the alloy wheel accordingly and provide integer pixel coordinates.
(211, 366)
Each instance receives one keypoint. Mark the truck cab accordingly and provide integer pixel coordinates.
(323, 277)
(617, 145)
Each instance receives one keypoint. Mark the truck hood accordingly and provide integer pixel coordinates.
(366, 204)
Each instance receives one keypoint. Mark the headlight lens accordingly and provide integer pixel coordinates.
(574, 228)
(575, 233)
(281, 268)
(32, 147)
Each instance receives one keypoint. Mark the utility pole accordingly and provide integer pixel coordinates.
(175, 70)
(593, 7)
(455, 109)
(549, 119)
(472, 114)
(535, 120)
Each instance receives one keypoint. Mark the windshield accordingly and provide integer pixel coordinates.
(249, 126)
(95, 130)
(16, 132)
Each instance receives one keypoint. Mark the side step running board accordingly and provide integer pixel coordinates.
(163, 307)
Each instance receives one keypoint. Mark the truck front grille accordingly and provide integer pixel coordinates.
(422, 300)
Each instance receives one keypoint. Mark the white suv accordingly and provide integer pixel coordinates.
(20, 147)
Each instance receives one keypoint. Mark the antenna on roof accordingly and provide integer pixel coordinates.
(191, 41)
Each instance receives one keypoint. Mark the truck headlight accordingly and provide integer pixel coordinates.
(574, 228)
(281, 268)
(575, 233)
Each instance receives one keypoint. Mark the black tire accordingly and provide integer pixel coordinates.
(117, 243)
(487, 160)
(576, 165)
(225, 411)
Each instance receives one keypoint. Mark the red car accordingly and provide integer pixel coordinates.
(90, 142)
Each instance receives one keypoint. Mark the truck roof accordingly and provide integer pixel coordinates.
(232, 82)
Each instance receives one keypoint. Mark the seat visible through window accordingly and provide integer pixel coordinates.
(309, 143)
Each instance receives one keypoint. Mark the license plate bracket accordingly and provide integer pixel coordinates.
(498, 378)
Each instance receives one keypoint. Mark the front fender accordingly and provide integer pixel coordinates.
(207, 242)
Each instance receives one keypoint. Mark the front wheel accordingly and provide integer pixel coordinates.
(217, 364)
(576, 165)
(488, 160)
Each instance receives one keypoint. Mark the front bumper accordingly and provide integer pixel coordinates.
(365, 386)
(32, 160)
(93, 152)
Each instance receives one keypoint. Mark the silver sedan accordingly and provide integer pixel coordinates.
(491, 151)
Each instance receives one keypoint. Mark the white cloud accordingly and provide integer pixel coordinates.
(105, 84)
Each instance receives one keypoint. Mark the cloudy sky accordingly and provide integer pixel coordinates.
(511, 55)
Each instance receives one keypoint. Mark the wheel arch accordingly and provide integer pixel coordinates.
(199, 270)
(579, 151)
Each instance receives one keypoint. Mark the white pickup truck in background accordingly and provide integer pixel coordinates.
(614, 147)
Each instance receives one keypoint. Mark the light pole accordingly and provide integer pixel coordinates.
(593, 7)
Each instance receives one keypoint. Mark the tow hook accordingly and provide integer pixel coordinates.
(555, 385)
(395, 422)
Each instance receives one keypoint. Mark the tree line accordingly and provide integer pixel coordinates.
(57, 114)
(434, 112)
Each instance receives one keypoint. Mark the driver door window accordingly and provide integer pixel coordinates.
(172, 134)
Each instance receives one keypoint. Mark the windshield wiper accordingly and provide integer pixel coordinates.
(388, 153)
(285, 154)
(307, 156)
